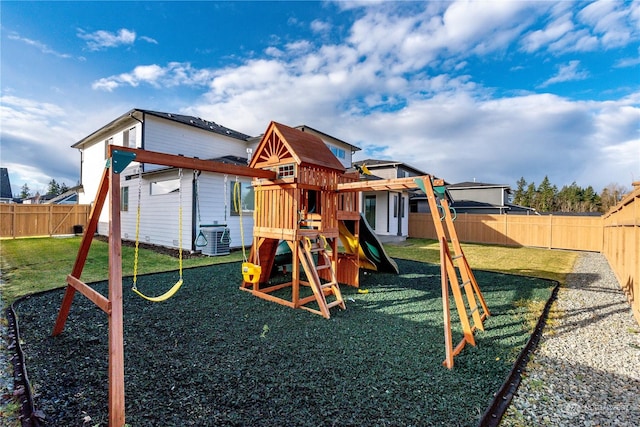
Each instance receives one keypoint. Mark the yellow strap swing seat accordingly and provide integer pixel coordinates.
(250, 272)
(172, 291)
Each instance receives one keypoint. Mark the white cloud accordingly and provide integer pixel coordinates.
(554, 31)
(174, 74)
(38, 45)
(102, 39)
(610, 20)
(318, 26)
(148, 40)
(568, 72)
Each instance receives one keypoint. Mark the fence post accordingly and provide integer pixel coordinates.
(550, 230)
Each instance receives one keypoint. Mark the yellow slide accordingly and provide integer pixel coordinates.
(352, 246)
(368, 247)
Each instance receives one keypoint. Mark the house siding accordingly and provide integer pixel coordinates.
(492, 196)
(168, 137)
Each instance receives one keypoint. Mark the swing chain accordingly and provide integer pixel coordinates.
(137, 248)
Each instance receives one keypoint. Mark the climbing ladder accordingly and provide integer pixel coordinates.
(318, 247)
(455, 272)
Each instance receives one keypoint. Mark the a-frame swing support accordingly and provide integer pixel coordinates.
(452, 266)
(119, 159)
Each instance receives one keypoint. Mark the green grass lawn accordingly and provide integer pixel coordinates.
(40, 264)
(533, 262)
(34, 265)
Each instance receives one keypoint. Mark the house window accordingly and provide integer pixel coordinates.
(395, 206)
(370, 210)
(338, 152)
(247, 199)
(107, 143)
(129, 138)
(168, 186)
(285, 171)
(124, 199)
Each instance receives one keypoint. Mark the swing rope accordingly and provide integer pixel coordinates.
(180, 281)
(250, 272)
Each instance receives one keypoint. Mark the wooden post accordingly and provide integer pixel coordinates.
(116, 329)
(446, 314)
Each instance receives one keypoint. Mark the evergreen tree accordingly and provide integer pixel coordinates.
(54, 188)
(546, 196)
(530, 196)
(590, 200)
(519, 197)
(25, 191)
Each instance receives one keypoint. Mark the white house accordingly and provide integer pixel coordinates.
(206, 198)
(387, 211)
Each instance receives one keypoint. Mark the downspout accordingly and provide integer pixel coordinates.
(142, 122)
(195, 195)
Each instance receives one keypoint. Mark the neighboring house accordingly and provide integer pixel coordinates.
(483, 198)
(387, 211)
(6, 195)
(69, 197)
(207, 198)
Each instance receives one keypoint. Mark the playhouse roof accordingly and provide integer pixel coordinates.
(282, 144)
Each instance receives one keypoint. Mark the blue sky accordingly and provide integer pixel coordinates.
(484, 90)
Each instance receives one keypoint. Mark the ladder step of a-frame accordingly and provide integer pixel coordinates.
(463, 284)
(322, 267)
(328, 285)
(335, 304)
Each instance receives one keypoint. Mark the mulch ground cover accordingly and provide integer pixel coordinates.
(216, 356)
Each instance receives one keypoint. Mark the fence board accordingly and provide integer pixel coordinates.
(41, 220)
(622, 246)
(548, 231)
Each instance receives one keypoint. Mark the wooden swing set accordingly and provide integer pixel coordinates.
(302, 197)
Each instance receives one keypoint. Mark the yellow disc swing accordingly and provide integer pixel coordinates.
(178, 284)
(250, 272)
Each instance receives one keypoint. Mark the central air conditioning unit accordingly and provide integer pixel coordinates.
(217, 240)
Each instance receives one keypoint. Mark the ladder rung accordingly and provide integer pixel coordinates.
(323, 267)
(474, 310)
(327, 285)
(457, 257)
(334, 303)
(462, 285)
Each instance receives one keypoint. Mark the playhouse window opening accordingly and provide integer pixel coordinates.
(285, 171)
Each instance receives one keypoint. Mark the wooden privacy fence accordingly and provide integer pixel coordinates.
(622, 246)
(41, 220)
(548, 231)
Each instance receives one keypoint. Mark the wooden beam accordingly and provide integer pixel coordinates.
(381, 184)
(116, 326)
(163, 159)
(97, 298)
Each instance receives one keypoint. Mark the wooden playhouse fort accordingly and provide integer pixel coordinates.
(303, 198)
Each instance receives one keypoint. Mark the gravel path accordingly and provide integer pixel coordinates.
(586, 370)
